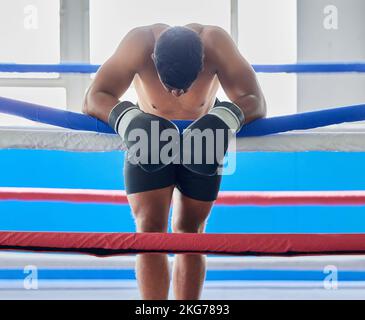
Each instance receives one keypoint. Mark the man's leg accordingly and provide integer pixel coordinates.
(189, 216)
(151, 211)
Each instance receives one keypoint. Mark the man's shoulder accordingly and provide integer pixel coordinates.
(216, 41)
(140, 40)
(142, 32)
(147, 34)
(214, 33)
(153, 30)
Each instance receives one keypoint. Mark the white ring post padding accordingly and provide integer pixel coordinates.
(80, 141)
(9, 260)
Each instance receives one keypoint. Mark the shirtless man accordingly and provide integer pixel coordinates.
(176, 72)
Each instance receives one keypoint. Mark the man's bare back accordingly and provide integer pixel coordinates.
(132, 63)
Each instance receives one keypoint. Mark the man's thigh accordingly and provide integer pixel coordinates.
(149, 195)
(189, 215)
(151, 209)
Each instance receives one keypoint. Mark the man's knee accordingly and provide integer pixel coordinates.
(184, 226)
(148, 223)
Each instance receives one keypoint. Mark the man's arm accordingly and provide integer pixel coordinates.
(236, 75)
(117, 73)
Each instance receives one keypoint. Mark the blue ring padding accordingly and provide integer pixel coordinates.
(53, 116)
(222, 275)
(261, 127)
(86, 68)
(50, 68)
(311, 68)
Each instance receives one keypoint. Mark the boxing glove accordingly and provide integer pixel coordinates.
(205, 141)
(152, 141)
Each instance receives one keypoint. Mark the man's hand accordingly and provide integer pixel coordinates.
(152, 141)
(205, 141)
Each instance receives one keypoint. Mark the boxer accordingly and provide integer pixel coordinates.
(176, 72)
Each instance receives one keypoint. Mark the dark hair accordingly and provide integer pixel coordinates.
(179, 57)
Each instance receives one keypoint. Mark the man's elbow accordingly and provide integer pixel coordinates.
(255, 107)
(87, 107)
(262, 109)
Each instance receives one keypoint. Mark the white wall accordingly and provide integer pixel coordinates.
(29, 31)
(112, 19)
(268, 35)
(331, 31)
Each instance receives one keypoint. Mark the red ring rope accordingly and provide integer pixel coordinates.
(104, 244)
(261, 198)
(122, 243)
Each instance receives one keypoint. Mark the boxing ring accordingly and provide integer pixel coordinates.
(269, 264)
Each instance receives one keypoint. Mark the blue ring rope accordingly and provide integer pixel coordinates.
(85, 68)
(261, 127)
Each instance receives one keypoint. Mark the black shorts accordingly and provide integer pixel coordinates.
(192, 185)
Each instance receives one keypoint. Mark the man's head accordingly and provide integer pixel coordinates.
(178, 57)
